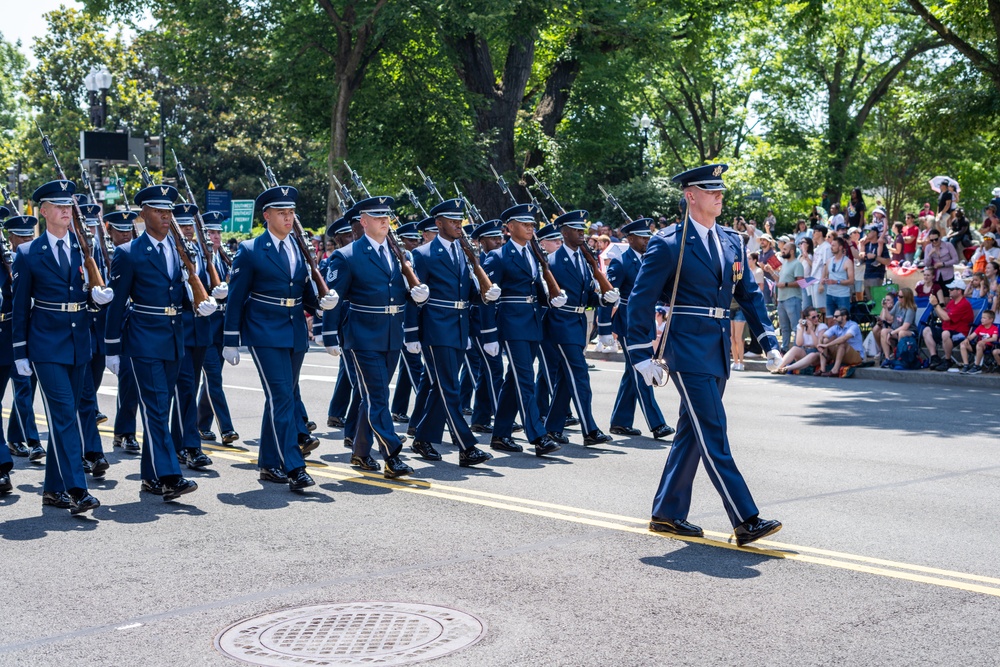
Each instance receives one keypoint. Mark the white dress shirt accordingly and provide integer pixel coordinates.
(290, 250)
(703, 234)
(65, 259)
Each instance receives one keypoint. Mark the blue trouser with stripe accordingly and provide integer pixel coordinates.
(466, 378)
(88, 416)
(6, 462)
(128, 399)
(374, 370)
(278, 368)
(443, 405)
(154, 384)
(342, 391)
(488, 384)
(21, 427)
(212, 401)
(571, 380)
(701, 436)
(518, 392)
(411, 369)
(61, 386)
(633, 388)
(184, 410)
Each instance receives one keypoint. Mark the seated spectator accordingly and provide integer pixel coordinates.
(885, 318)
(910, 234)
(842, 343)
(923, 238)
(990, 221)
(985, 253)
(977, 287)
(984, 338)
(992, 289)
(929, 285)
(956, 319)
(959, 234)
(804, 353)
(903, 323)
(875, 257)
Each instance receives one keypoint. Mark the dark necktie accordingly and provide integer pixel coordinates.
(283, 254)
(454, 256)
(61, 258)
(524, 255)
(579, 266)
(384, 258)
(713, 252)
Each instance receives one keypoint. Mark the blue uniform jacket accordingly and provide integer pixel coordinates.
(694, 344)
(198, 329)
(46, 335)
(138, 273)
(99, 314)
(258, 278)
(361, 278)
(622, 272)
(216, 319)
(563, 325)
(6, 326)
(483, 317)
(515, 318)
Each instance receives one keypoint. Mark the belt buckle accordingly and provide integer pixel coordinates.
(287, 303)
(717, 313)
(169, 310)
(73, 307)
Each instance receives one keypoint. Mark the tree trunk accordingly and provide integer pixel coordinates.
(552, 106)
(338, 145)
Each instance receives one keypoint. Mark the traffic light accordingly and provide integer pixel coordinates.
(154, 154)
(12, 180)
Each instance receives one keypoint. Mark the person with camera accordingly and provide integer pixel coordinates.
(804, 353)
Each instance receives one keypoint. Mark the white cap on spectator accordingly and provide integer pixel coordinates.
(957, 283)
(990, 235)
(852, 230)
(996, 192)
(879, 210)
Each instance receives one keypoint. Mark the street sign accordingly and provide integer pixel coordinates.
(111, 194)
(218, 200)
(241, 218)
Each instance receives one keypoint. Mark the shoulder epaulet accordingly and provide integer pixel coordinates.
(669, 231)
(26, 247)
(728, 230)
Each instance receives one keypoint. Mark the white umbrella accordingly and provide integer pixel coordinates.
(935, 183)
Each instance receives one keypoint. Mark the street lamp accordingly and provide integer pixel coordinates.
(98, 82)
(644, 124)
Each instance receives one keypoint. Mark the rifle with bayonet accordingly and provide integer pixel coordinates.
(540, 255)
(473, 211)
(416, 202)
(103, 241)
(614, 202)
(92, 274)
(394, 243)
(199, 229)
(6, 256)
(299, 234)
(121, 188)
(185, 249)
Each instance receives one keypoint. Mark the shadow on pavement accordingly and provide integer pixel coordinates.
(272, 497)
(710, 561)
(53, 520)
(147, 509)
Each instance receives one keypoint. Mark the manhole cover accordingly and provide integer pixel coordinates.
(353, 633)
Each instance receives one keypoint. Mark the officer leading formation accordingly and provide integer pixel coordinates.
(438, 303)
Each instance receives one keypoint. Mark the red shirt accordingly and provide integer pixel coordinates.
(911, 230)
(983, 332)
(960, 316)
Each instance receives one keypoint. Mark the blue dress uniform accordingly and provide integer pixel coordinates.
(440, 328)
(411, 366)
(6, 361)
(547, 352)
(197, 338)
(519, 328)
(144, 324)
(427, 228)
(21, 427)
(51, 330)
(696, 348)
(265, 312)
(369, 277)
(127, 401)
(566, 330)
(483, 328)
(622, 272)
(212, 402)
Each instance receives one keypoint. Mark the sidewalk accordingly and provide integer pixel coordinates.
(991, 381)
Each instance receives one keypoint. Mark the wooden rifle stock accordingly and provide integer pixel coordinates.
(198, 292)
(199, 233)
(543, 263)
(404, 265)
(595, 266)
(309, 253)
(94, 277)
(484, 281)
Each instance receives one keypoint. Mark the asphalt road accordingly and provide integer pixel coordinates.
(888, 493)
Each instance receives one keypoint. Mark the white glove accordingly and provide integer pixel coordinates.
(333, 350)
(492, 349)
(330, 301)
(773, 360)
(560, 299)
(207, 307)
(651, 372)
(113, 363)
(493, 293)
(23, 366)
(606, 341)
(468, 343)
(420, 293)
(102, 295)
(220, 291)
(413, 348)
(611, 298)
(231, 354)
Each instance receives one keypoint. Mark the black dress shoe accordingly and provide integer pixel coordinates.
(180, 488)
(335, 422)
(558, 437)
(299, 479)
(400, 418)
(467, 412)
(273, 475)
(411, 431)
(571, 421)
(663, 431)
(473, 456)
(596, 437)
(516, 428)
(481, 428)
(394, 467)
(425, 450)
(98, 466)
(754, 529)
(117, 440)
(207, 436)
(181, 457)
(84, 502)
(505, 445)
(349, 442)
(402, 439)
(675, 527)
(546, 445)
(229, 437)
(5, 485)
(310, 425)
(625, 430)
(17, 449)
(152, 486)
(130, 445)
(57, 499)
(101, 417)
(196, 459)
(307, 443)
(365, 463)
(36, 453)
(86, 466)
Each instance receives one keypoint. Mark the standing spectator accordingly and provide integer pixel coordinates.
(996, 199)
(838, 277)
(944, 206)
(903, 324)
(815, 217)
(910, 233)
(805, 352)
(959, 236)
(984, 338)
(822, 254)
(837, 218)
(770, 222)
(926, 211)
(806, 259)
(956, 320)
(990, 221)
(985, 253)
(897, 243)
(942, 257)
(856, 209)
(767, 251)
(923, 238)
(841, 343)
(876, 258)
(754, 235)
(801, 231)
(929, 285)
(603, 241)
(758, 273)
(789, 294)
